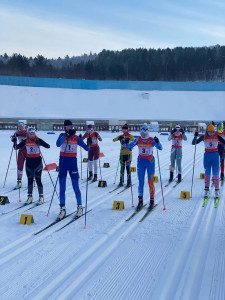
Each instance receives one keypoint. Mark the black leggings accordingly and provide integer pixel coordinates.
(125, 162)
(34, 170)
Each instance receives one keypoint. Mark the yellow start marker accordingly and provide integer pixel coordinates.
(133, 169)
(85, 160)
(102, 183)
(4, 200)
(106, 165)
(202, 175)
(184, 195)
(118, 205)
(26, 219)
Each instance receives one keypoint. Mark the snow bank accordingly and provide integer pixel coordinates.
(32, 102)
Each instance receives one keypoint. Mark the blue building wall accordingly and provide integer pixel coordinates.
(121, 85)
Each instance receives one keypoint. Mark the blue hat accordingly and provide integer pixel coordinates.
(144, 129)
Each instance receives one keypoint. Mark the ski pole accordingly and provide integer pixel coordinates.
(193, 171)
(8, 167)
(81, 160)
(48, 173)
(57, 179)
(117, 170)
(131, 190)
(17, 174)
(164, 208)
(99, 163)
(85, 214)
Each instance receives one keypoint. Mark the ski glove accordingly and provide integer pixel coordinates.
(13, 139)
(156, 139)
(182, 130)
(96, 134)
(196, 133)
(80, 136)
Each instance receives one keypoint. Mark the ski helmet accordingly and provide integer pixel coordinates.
(210, 127)
(221, 127)
(31, 130)
(144, 129)
(20, 123)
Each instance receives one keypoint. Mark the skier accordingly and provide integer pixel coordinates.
(145, 161)
(68, 142)
(33, 162)
(177, 136)
(221, 150)
(20, 134)
(125, 155)
(211, 156)
(93, 155)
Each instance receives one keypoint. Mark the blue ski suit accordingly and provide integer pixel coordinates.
(145, 161)
(68, 162)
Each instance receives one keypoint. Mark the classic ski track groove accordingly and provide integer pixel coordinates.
(112, 240)
(192, 255)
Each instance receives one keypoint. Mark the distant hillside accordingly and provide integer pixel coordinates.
(178, 64)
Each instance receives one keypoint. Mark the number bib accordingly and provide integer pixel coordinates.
(69, 149)
(21, 135)
(211, 143)
(145, 148)
(33, 150)
(177, 140)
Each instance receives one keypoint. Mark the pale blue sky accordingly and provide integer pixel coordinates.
(56, 28)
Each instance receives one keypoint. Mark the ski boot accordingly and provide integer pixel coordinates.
(217, 193)
(41, 199)
(128, 183)
(95, 178)
(19, 184)
(140, 203)
(90, 176)
(29, 199)
(171, 177)
(222, 176)
(79, 212)
(120, 183)
(62, 213)
(151, 204)
(206, 195)
(179, 178)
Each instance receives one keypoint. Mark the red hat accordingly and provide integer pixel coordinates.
(125, 126)
(90, 126)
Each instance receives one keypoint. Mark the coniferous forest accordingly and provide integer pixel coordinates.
(178, 64)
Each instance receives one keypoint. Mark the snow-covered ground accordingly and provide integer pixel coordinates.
(32, 102)
(177, 253)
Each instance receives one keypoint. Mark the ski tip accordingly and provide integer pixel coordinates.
(20, 201)
(164, 208)
(46, 215)
(132, 206)
(3, 186)
(85, 227)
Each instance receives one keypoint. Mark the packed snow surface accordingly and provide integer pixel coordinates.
(177, 253)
